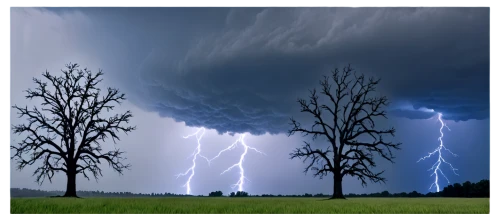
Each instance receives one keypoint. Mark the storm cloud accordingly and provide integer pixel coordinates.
(247, 75)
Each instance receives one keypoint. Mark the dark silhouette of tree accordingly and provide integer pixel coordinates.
(414, 194)
(480, 189)
(215, 194)
(241, 194)
(347, 124)
(66, 133)
(458, 190)
(467, 187)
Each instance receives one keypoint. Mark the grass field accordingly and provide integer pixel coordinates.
(249, 205)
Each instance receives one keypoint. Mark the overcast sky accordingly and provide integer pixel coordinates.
(240, 70)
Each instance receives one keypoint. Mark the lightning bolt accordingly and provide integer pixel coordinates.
(198, 134)
(241, 141)
(436, 167)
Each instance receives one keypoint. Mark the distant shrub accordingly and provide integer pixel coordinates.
(215, 194)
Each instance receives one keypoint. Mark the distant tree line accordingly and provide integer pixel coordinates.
(467, 189)
(23, 192)
(239, 194)
(480, 189)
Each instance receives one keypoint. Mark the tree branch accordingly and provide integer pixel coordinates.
(316, 155)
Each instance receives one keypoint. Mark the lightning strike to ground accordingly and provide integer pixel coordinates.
(436, 167)
(240, 140)
(191, 171)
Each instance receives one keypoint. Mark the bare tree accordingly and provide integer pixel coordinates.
(69, 139)
(346, 124)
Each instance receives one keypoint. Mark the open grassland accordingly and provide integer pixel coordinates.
(249, 205)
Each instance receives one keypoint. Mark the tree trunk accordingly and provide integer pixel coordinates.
(337, 186)
(71, 185)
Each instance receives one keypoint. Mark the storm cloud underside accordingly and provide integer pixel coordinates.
(246, 76)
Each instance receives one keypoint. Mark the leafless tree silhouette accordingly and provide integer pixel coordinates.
(70, 138)
(353, 109)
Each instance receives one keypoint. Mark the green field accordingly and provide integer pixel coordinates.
(249, 205)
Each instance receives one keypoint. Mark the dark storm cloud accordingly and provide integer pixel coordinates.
(246, 75)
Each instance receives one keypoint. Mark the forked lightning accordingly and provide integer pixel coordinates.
(191, 171)
(242, 178)
(436, 167)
